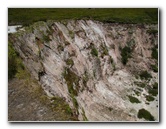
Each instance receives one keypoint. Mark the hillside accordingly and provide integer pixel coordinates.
(104, 71)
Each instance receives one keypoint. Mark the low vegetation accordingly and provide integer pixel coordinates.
(153, 92)
(60, 47)
(125, 54)
(104, 50)
(72, 81)
(149, 98)
(145, 75)
(71, 33)
(137, 92)
(154, 68)
(140, 84)
(15, 65)
(154, 89)
(133, 99)
(69, 62)
(84, 116)
(155, 85)
(142, 113)
(94, 52)
(46, 38)
(58, 103)
(85, 78)
(110, 109)
(152, 31)
(27, 16)
(154, 53)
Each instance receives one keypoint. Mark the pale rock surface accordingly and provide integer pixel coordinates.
(45, 48)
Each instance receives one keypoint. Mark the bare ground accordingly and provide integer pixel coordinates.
(28, 102)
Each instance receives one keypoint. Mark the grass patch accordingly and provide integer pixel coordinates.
(149, 98)
(59, 103)
(133, 99)
(46, 38)
(125, 54)
(104, 50)
(15, 65)
(75, 104)
(69, 62)
(72, 81)
(27, 16)
(84, 116)
(94, 51)
(71, 33)
(145, 75)
(145, 114)
(85, 78)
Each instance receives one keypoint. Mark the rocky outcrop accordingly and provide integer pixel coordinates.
(100, 69)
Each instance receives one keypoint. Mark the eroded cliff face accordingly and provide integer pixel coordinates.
(106, 72)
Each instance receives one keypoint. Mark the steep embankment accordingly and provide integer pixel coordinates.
(104, 71)
(28, 102)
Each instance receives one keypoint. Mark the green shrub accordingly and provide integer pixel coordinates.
(137, 92)
(46, 38)
(154, 68)
(110, 109)
(131, 43)
(133, 99)
(110, 60)
(12, 61)
(69, 62)
(104, 51)
(60, 48)
(149, 98)
(125, 54)
(153, 92)
(85, 78)
(71, 34)
(154, 53)
(145, 114)
(155, 85)
(145, 75)
(68, 109)
(15, 65)
(142, 85)
(94, 51)
(152, 31)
